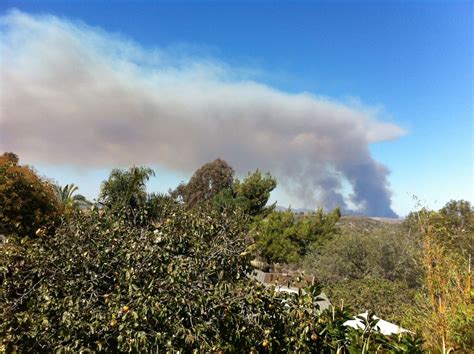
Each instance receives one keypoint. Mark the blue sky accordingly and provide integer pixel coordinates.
(411, 60)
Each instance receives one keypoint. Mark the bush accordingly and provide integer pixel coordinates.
(284, 237)
(388, 300)
(100, 284)
(383, 252)
(27, 202)
(444, 311)
(454, 224)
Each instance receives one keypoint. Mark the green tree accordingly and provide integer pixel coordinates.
(160, 207)
(66, 195)
(126, 188)
(253, 192)
(27, 202)
(205, 183)
(455, 219)
(283, 237)
(460, 213)
(389, 300)
(444, 311)
(250, 196)
(384, 251)
(180, 286)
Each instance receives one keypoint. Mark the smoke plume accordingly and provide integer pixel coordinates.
(75, 94)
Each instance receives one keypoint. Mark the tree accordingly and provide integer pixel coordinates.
(284, 237)
(253, 192)
(160, 207)
(27, 202)
(455, 219)
(70, 200)
(102, 285)
(205, 183)
(126, 188)
(384, 251)
(389, 300)
(460, 213)
(444, 311)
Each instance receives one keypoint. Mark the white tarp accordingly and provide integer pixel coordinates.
(382, 326)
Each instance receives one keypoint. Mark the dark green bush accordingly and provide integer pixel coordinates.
(284, 237)
(387, 299)
(100, 284)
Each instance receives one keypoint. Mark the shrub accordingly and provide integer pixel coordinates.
(444, 311)
(284, 237)
(383, 252)
(27, 202)
(388, 300)
(100, 284)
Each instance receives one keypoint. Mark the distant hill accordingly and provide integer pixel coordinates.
(297, 211)
(354, 218)
(364, 224)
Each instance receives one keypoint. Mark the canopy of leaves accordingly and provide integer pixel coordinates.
(250, 196)
(126, 188)
(205, 184)
(444, 311)
(383, 252)
(389, 300)
(159, 208)
(253, 192)
(27, 202)
(68, 197)
(454, 224)
(283, 237)
(101, 285)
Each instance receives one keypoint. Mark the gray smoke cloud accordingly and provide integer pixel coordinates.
(75, 94)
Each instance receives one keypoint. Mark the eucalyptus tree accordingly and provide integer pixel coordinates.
(207, 182)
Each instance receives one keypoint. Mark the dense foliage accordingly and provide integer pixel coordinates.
(444, 309)
(126, 189)
(283, 237)
(252, 194)
(180, 285)
(68, 197)
(416, 273)
(454, 224)
(151, 272)
(390, 300)
(383, 252)
(28, 204)
(205, 183)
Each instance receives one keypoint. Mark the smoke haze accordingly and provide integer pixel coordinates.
(75, 94)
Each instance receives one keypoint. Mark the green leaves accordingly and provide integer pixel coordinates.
(101, 284)
(67, 197)
(27, 202)
(252, 194)
(205, 184)
(126, 188)
(283, 237)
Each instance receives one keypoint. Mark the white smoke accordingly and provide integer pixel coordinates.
(78, 95)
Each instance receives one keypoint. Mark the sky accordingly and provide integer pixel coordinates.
(361, 105)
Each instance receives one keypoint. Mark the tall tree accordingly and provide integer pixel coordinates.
(205, 184)
(253, 192)
(66, 195)
(126, 188)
